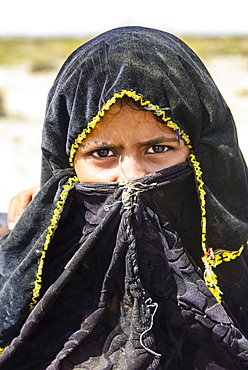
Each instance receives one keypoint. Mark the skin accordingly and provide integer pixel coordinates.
(17, 206)
(127, 144)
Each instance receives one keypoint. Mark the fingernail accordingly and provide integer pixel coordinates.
(11, 225)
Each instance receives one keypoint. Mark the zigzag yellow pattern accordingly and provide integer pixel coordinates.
(210, 259)
(56, 216)
(202, 193)
(213, 259)
(2, 349)
(210, 277)
(137, 97)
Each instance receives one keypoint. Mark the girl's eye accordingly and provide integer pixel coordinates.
(158, 149)
(102, 153)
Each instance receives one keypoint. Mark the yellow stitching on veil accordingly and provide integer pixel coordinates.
(56, 216)
(210, 258)
(210, 277)
(131, 94)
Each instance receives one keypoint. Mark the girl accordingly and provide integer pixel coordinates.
(132, 255)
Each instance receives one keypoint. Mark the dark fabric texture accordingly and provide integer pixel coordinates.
(122, 282)
(166, 72)
(101, 286)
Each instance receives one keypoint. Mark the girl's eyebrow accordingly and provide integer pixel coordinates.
(158, 140)
(109, 144)
(97, 144)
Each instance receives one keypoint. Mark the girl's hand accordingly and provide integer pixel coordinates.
(18, 204)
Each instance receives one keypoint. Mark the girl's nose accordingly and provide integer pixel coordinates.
(130, 169)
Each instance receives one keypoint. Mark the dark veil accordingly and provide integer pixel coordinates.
(147, 301)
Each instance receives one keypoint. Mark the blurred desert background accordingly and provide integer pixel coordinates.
(28, 67)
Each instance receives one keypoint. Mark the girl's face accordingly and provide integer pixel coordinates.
(127, 144)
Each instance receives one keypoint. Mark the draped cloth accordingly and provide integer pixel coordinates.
(109, 275)
(127, 284)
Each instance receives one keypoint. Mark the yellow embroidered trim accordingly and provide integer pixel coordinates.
(201, 193)
(56, 216)
(137, 97)
(213, 259)
(210, 276)
(2, 349)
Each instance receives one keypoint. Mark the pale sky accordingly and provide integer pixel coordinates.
(91, 17)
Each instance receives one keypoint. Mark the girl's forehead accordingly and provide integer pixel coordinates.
(129, 121)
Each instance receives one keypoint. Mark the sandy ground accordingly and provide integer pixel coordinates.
(25, 99)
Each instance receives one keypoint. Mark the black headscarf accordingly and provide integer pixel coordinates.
(112, 274)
